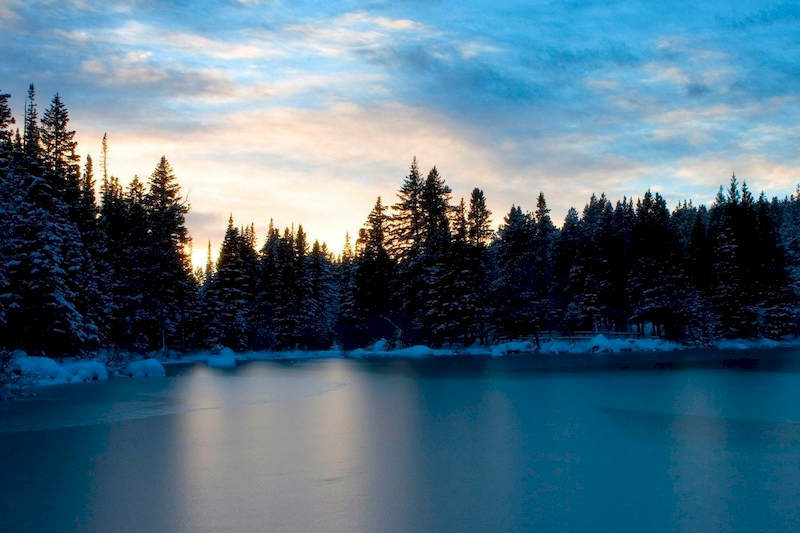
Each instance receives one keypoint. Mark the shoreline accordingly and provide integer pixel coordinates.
(598, 352)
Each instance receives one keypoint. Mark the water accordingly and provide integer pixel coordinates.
(444, 445)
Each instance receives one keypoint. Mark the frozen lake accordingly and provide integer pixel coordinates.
(509, 444)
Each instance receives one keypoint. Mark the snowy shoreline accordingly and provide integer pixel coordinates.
(44, 371)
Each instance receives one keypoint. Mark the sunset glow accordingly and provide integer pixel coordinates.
(306, 113)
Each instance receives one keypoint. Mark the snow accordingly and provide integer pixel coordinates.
(46, 371)
(380, 346)
(602, 344)
(224, 357)
(221, 361)
(754, 344)
(506, 348)
(144, 368)
(411, 352)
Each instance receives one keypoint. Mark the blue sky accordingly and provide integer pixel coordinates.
(305, 111)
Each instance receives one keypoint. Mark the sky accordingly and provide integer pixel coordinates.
(305, 112)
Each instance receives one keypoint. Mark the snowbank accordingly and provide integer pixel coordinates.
(380, 346)
(507, 348)
(412, 352)
(46, 371)
(602, 344)
(755, 344)
(221, 361)
(144, 368)
(224, 357)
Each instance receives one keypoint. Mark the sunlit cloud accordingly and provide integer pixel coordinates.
(306, 113)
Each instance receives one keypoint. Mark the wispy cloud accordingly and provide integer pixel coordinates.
(8, 12)
(305, 112)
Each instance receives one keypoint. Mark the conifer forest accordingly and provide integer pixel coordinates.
(91, 261)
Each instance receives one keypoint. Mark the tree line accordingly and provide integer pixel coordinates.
(79, 274)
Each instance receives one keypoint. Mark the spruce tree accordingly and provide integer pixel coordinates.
(267, 286)
(479, 219)
(405, 246)
(568, 272)
(512, 287)
(373, 279)
(44, 255)
(227, 300)
(320, 330)
(476, 261)
(170, 283)
(545, 238)
(405, 225)
(58, 143)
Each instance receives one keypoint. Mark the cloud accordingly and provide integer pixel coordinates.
(136, 34)
(8, 12)
(307, 111)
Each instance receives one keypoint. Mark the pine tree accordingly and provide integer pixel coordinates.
(777, 301)
(6, 135)
(267, 285)
(125, 222)
(476, 265)
(789, 232)
(373, 278)
(617, 244)
(170, 282)
(478, 219)
(512, 287)
(727, 294)
(208, 272)
(285, 312)
(6, 162)
(59, 153)
(346, 319)
(405, 247)
(435, 259)
(320, 329)
(660, 290)
(568, 271)
(31, 133)
(405, 226)
(545, 238)
(459, 306)
(44, 255)
(227, 300)
(104, 149)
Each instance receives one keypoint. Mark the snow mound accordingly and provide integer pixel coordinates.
(144, 368)
(506, 348)
(602, 344)
(748, 344)
(80, 371)
(412, 352)
(225, 358)
(46, 371)
(380, 346)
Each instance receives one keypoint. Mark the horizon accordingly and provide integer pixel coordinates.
(306, 114)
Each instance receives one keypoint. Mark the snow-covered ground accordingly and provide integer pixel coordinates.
(43, 371)
(143, 368)
(225, 357)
